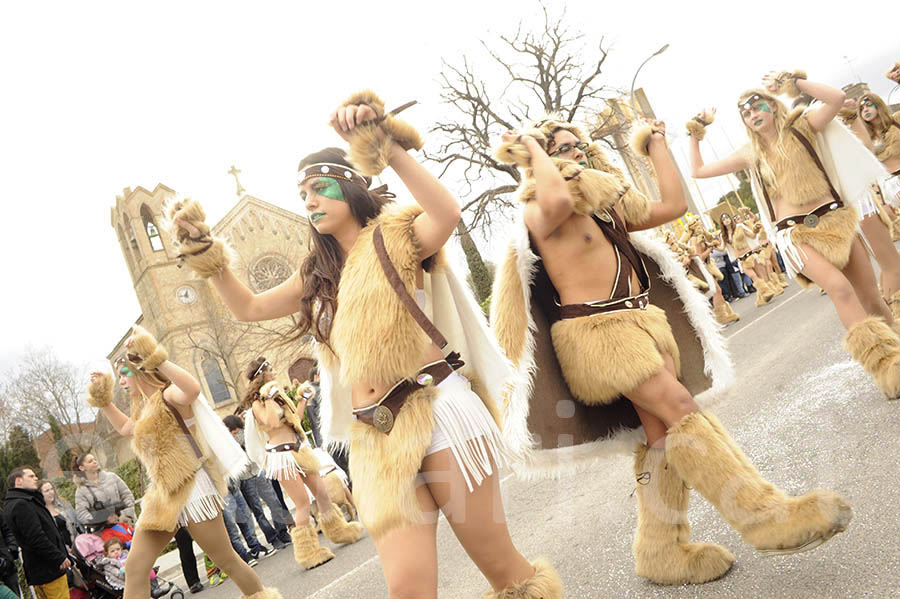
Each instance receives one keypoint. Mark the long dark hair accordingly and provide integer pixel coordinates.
(726, 234)
(255, 380)
(321, 269)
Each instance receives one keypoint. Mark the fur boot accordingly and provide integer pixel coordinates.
(724, 315)
(307, 550)
(266, 593)
(337, 529)
(662, 551)
(764, 293)
(730, 311)
(775, 284)
(543, 584)
(876, 347)
(893, 303)
(708, 460)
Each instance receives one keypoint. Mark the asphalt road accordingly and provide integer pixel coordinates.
(806, 415)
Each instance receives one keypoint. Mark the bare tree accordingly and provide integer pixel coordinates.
(552, 70)
(41, 389)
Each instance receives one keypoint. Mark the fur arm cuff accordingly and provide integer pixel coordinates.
(847, 115)
(786, 83)
(204, 254)
(151, 353)
(515, 152)
(640, 140)
(370, 143)
(101, 391)
(696, 127)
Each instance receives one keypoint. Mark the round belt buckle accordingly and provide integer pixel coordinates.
(383, 419)
(424, 379)
(810, 220)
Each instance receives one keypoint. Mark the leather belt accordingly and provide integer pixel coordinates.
(746, 255)
(382, 414)
(295, 446)
(635, 302)
(810, 219)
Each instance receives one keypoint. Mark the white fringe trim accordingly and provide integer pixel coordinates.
(867, 206)
(281, 465)
(204, 504)
(473, 436)
(890, 190)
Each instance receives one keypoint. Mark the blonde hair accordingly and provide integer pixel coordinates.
(757, 146)
(884, 115)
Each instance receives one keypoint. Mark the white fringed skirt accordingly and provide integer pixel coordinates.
(204, 503)
(282, 465)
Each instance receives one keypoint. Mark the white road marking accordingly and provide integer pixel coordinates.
(768, 313)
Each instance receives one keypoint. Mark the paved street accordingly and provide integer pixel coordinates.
(805, 414)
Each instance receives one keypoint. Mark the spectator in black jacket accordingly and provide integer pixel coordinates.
(9, 554)
(44, 554)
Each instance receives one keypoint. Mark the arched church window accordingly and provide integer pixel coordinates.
(129, 231)
(151, 229)
(126, 250)
(268, 271)
(214, 379)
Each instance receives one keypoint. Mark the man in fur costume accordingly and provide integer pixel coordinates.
(576, 270)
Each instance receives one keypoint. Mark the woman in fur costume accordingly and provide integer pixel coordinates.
(379, 297)
(276, 440)
(187, 452)
(809, 175)
(774, 277)
(579, 250)
(701, 243)
(740, 239)
(872, 122)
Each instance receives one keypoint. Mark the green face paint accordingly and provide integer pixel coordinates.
(125, 371)
(764, 107)
(316, 216)
(328, 187)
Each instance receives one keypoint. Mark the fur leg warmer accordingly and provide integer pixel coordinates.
(893, 303)
(307, 550)
(764, 292)
(876, 346)
(370, 143)
(101, 391)
(724, 314)
(204, 254)
(543, 584)
(266, 593)
(337, 529)
(706, 457)
(662, 551)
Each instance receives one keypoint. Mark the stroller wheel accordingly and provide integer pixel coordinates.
(177, 594)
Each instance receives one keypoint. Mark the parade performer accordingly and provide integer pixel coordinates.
(809, 174)
(879, 130)
(578, 292)
(384, 306)
(776, 279)
(277, 442)
(701, 243)
(188, 454)
(745, 249)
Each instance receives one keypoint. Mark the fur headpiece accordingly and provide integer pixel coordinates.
(370, 142)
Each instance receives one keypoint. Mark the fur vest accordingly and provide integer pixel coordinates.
(798, 180)
(171, 462)
(889, 148)
(543, 422)
(376, 339)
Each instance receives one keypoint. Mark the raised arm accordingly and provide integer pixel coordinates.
(152, 355)
(553, 202)
(394, 138)
(794, 83)
(673, 203)
(209, 257)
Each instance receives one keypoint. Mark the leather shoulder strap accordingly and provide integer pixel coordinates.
(812, 152)
(406, 299)
(765, 191)
(184, 428)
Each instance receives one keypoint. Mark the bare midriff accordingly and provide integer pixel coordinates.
(266, 414)
(784, 208)
(581, 261)
(892, 164)
(367, 393)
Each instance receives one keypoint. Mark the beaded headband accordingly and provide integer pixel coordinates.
(330, 169)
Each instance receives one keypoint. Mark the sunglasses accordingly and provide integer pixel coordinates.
(569, 147)
(260, 369)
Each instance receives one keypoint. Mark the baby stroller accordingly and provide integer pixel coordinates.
(87, 548)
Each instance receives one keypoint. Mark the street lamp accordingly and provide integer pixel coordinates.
(660, 51)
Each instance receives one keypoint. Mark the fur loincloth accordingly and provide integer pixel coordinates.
(607, 355)
(832, 238)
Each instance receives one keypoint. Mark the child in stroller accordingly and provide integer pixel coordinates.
(101, 565)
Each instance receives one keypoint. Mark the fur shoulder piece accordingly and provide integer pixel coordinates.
(640, 140)
(204, 254)
(370, 143)
(396, 222)
(101, 391)
(598, 159)
(794, 116)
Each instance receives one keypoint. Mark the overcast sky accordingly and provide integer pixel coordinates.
(98, 96)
